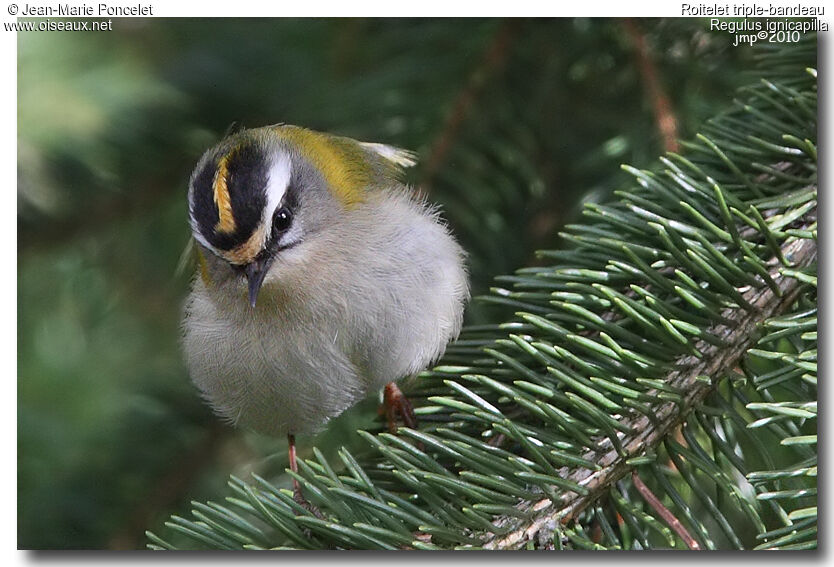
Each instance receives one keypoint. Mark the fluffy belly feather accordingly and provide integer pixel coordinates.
(273, 375)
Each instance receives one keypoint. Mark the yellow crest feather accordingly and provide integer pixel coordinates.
(341, 161)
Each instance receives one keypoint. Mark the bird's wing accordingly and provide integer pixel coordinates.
(396, 156)
(187, 259)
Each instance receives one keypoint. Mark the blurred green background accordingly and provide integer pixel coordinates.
(516, 123)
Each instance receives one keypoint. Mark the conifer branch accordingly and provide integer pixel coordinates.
(738, 334)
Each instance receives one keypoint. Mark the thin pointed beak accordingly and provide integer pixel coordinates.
(255, 273)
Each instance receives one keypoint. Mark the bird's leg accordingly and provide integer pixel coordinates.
(296, 488)
(395, 403)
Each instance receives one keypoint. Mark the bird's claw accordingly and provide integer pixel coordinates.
(395, 403)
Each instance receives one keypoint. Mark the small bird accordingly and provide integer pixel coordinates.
(322, 278)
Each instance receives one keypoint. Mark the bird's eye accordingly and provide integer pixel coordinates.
(282, 220)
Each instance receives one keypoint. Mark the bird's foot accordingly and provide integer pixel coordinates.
(303, 502)
(395, 403)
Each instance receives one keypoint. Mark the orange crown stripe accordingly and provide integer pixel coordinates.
(226, 219)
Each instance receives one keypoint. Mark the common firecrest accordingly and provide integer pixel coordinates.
(322, 277)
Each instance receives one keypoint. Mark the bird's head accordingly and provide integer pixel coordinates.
(262, 191)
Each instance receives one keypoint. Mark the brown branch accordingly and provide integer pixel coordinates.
(738, 333)
(667, 124)
(493, 61)
(663, 511)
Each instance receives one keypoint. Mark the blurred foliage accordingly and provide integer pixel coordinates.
(516, 121)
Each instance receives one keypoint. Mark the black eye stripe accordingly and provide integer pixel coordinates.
(290, 200)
